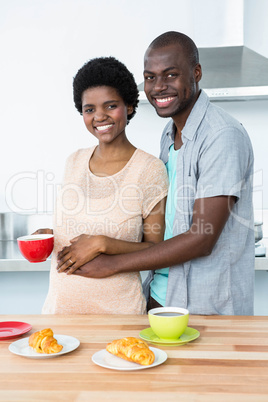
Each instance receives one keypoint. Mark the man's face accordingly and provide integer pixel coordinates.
(170, 81)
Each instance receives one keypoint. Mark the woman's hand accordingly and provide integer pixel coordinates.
(43, 231)
(83, 249)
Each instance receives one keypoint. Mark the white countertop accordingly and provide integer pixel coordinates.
(12, 260)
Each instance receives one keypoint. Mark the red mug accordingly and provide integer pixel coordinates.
(36, 248)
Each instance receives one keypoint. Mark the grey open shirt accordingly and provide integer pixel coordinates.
(216, 158)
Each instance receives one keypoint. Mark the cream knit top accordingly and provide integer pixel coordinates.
(114, 206)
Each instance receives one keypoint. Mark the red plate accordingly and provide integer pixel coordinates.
(13, 329)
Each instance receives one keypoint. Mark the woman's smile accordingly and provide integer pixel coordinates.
(104, 112)
(104, 128)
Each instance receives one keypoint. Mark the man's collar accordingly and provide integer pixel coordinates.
(193, 120)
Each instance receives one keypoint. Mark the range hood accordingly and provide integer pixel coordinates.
(231, 73)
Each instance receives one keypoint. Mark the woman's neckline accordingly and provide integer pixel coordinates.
(112, 175)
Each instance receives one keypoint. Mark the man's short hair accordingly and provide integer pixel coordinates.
(178, 38)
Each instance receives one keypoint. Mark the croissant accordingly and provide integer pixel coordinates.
(44, 342)
(132, 349)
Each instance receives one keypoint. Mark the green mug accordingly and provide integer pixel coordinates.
(168, 322)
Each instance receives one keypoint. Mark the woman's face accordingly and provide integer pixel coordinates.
(105, 113)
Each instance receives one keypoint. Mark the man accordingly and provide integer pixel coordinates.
(208, 252)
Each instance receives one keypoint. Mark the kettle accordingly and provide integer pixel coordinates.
(258, 231)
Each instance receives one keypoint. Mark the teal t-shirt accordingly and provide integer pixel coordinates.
(160, 281)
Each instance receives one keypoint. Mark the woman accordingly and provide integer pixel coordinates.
(112, 200)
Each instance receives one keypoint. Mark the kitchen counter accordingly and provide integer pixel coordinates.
(12, 260)
(229, 361)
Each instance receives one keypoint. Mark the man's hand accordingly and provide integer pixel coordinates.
(101, 267)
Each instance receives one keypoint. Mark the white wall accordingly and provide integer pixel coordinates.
(44, 43)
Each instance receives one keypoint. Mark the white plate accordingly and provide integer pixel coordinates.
(22, 348)
(105, 359)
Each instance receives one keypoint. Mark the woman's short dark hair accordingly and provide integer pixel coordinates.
(106, 71)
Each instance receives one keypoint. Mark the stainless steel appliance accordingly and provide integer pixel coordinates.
(260, 249)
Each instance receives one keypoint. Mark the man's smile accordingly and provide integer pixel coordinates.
(163, 102)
